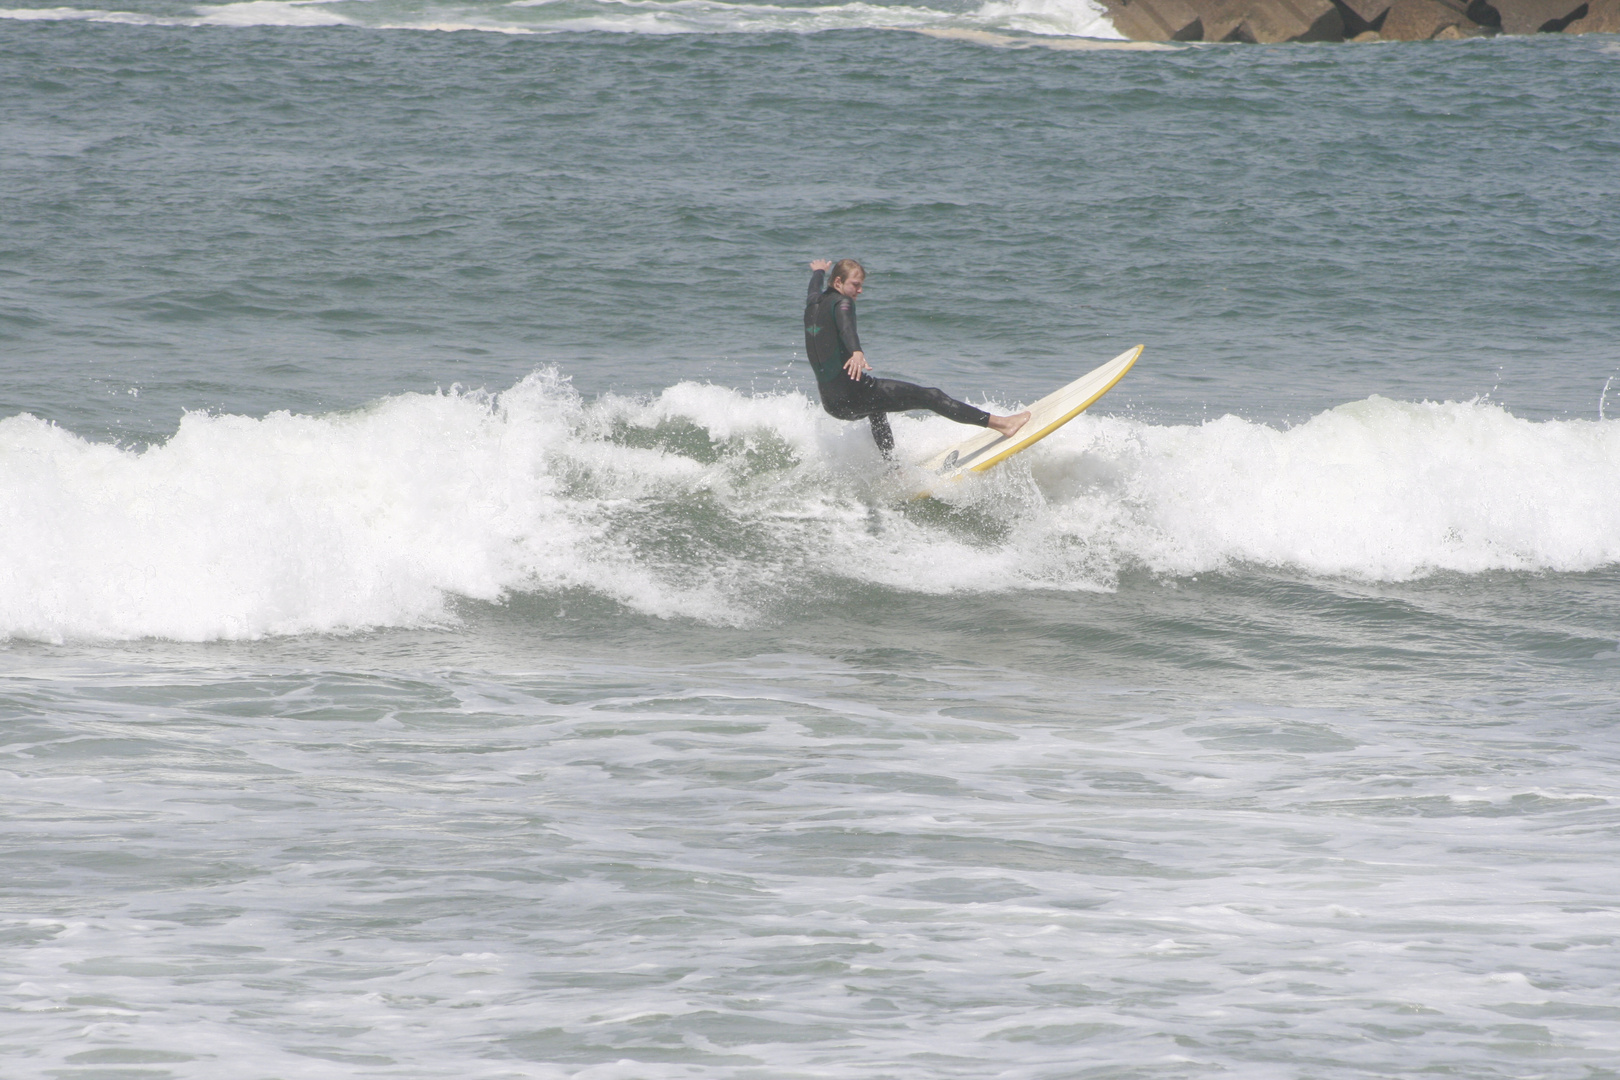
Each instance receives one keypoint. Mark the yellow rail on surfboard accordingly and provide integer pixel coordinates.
(1047, 415)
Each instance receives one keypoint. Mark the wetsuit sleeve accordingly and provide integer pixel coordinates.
(815, 285)
(844, 318)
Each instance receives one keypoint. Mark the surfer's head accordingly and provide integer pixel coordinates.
(848, 277)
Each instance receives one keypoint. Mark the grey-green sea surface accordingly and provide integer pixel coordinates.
(443, 636)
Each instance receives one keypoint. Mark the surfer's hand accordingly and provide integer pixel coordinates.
(857, 366)
(821, 264)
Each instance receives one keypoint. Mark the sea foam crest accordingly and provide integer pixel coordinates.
(710, 504)
(1375, 489)
(1083, 18)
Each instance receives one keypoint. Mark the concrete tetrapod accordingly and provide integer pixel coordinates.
(1267, 22)
(1361, 16)
(1602, 17)
(1272, 21)
(1537, 16)
(1156, 20)
(1420, 20)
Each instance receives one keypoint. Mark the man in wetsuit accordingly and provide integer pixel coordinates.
(848, 390)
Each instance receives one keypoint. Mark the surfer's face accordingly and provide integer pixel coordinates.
(850, 286)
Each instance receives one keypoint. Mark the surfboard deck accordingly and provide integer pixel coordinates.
(1047, 415)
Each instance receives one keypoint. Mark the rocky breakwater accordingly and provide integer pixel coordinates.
(1269, 21)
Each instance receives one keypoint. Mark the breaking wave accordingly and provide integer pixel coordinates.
(711, 504)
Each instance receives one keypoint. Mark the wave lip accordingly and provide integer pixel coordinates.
(709, 504)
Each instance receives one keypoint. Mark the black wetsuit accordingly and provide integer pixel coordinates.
(830, 340)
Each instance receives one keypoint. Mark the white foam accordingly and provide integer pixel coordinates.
(271, 13)
(1076, 18)
(134, 18)
(237, 527)
(1377, 489)
(249, 13)
(711, 504)
(1043, 17)
(711, 16)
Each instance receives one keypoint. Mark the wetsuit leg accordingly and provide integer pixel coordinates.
(850, 400)
(875, 398)
(892, 395)
(882, 433)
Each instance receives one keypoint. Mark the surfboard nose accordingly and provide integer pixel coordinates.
(1054, 410)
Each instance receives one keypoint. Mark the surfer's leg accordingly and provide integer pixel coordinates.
(883, 434)
(844, 400)
(897, 396)
(873, 397)
(852, 401)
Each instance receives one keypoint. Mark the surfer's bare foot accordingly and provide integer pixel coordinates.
(1009, 425)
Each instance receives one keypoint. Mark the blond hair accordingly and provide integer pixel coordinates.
(844, 268)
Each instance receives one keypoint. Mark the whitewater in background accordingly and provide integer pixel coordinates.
(1078, 18)
(442, 637)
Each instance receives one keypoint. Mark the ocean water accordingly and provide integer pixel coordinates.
(441, 635)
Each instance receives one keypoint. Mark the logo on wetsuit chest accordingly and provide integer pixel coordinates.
(812, 330)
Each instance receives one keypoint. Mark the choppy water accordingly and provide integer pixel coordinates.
(444, 638)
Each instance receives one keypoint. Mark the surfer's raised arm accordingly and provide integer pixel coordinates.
(818, 274)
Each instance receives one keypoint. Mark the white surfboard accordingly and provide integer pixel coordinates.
(1046, 416)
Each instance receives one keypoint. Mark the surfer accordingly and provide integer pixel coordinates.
(848, 390)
